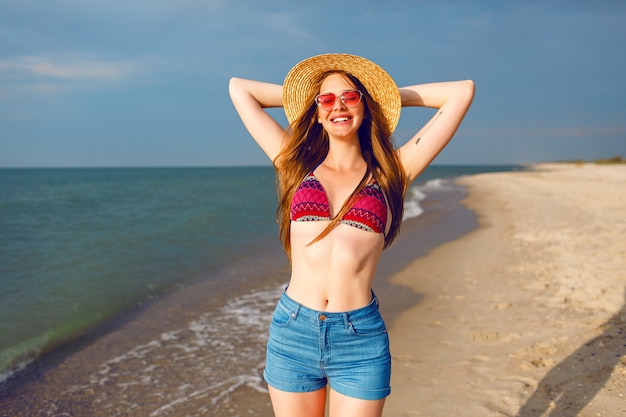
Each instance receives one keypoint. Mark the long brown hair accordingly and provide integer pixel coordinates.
(306, 147)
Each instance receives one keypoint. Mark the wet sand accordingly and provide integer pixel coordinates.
(200, 350)
(524, 316)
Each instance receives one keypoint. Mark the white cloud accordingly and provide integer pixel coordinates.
(27, 67)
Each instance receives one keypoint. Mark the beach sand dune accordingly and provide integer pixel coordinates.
(526, 315)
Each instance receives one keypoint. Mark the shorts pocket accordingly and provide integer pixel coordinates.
(283, 317)
(369, 326)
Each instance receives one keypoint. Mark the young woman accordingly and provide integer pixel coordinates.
(341, 185)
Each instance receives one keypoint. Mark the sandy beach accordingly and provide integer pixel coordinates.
(524, 316)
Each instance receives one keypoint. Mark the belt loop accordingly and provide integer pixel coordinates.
(346, 320)
(375, 298)
(294, 313)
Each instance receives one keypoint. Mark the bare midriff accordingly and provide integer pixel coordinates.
(335, 273)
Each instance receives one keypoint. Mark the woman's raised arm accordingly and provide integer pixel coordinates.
(250, 98)
(452, 99)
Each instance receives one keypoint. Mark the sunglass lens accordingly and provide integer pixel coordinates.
(351, 98)
(326, 101)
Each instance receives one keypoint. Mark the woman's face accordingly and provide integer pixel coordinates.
(341, 121)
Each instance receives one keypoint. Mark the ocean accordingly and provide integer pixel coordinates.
(153, 281)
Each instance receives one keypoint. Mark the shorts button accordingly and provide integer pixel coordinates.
(322, 317)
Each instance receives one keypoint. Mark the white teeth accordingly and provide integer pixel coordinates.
(340, 119)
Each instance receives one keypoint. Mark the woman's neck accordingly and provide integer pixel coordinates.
(344, 156)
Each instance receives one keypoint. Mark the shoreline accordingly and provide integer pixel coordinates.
(104, 290)
(507, 303)
(441, 222)
(66, 379)
(524, 315)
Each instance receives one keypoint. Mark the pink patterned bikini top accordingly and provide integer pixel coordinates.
(369, 211)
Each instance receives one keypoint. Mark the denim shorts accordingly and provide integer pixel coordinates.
(308, 348)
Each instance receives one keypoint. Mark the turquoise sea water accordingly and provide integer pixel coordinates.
(79, 247)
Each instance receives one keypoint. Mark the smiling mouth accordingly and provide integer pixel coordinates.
(340, 119)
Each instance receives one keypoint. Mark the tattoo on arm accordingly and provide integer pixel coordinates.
(430, 123)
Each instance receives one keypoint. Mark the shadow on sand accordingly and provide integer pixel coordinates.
(572, 384)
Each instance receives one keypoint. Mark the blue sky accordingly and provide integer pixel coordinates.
(144, 82)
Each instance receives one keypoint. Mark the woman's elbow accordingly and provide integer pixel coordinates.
(237, 88)
(233, 83)
(468, 89)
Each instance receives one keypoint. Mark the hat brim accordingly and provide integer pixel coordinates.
(299, 84)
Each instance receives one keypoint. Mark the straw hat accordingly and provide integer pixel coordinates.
(298, 87)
